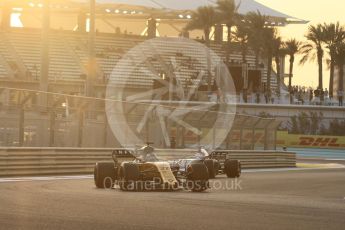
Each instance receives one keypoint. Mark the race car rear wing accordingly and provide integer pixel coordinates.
(121, 155)
(219, 155)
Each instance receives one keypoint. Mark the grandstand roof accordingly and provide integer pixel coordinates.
(183, 5)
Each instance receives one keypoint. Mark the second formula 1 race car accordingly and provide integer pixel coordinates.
(217, 163)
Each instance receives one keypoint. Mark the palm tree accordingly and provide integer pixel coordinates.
(227, 10)
(314, 49)
(333, 35)
(269, 36)
(340, 62)
(241, 35)
(279, 52)
(292, 48)
(257, 25)
(204, 18)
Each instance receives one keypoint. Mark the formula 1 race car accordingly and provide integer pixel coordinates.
(140, 169)
(217, 163)
(224, 164)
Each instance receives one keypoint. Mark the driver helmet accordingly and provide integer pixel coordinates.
(201, 153)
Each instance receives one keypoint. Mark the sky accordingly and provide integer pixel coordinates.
(315, 11)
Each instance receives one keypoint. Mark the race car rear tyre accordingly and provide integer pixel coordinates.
(216, 166)
(197, 171)
(131, 172)
(129, 177)
(210, 168)
(104, 174)
(197, 177)
(232, 168)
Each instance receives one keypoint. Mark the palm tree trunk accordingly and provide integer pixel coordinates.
(207, 36)
(244, 53)
(257, 54)
(244, 60)
(207, 41)
(269, 72)
(228, 46)
(319, 60)
(277, 61)
(292, 60)
(229, 32)
(331, 78)
(341, 76)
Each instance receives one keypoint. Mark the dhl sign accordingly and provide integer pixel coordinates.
(311, 141)
(283, 139)
(295, 140)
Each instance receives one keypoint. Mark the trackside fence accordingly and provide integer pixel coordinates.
(74, 161)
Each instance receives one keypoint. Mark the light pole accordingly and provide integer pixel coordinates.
(92, 59)
(45, 52)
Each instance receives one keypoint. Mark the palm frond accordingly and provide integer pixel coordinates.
(203, 17)
(293, 46)
(227, 11)
(308, 52)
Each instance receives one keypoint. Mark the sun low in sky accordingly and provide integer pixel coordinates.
(315, 11)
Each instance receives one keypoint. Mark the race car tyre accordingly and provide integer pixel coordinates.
(129, 177)
(197, 171)
(197, 177)
(131, 172)
(232, 168)
(210, 168)
(104, 174)
(216, 167)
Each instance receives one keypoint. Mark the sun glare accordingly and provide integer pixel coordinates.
(15, 20)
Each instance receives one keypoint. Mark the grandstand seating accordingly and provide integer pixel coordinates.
(69, 57)
(27, 44)
(5, 58)
(3, 72)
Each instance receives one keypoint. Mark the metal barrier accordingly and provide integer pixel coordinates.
(78, 121)
(69, 161)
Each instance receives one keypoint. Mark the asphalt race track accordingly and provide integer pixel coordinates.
(298, 199)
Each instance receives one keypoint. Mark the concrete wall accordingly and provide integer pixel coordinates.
(69, 161)
(284, 112)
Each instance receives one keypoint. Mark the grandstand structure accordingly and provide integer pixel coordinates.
(72, 47)
(118, 26)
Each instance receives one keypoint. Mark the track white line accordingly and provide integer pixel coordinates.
(82, 177)
(334, 159)
(47, 178)
(291, 169)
